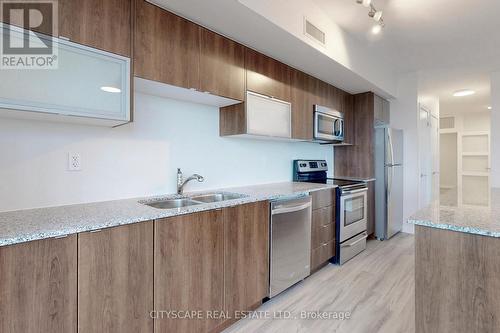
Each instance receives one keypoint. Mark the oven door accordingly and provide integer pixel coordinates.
(328, 127)
(353, 211)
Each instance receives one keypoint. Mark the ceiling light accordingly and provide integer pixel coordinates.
(489, 108)
(376, 29)
(374, 14)
(111, 89)
(462, 93)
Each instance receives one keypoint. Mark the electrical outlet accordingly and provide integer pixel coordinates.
(74, 162)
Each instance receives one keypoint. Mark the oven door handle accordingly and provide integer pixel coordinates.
(291, 209)
(354, 191)
(365, 236)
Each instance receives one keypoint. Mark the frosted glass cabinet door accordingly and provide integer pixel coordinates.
(268, 116)
(76, 87)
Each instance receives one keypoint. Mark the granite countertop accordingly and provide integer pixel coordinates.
(34, 224)
(479, 220)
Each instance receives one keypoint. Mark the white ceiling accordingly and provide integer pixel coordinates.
(454, 44)
(425, 34)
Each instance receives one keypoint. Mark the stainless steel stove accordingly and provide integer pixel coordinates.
(351, 207)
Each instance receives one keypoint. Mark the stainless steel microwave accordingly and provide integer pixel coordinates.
(328, 124)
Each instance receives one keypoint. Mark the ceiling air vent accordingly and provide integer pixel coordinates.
(314, 32)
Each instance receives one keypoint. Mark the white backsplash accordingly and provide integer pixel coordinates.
(137, 159)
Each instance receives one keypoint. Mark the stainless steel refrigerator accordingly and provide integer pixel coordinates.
(389, 182)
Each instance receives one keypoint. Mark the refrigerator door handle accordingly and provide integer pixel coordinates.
(390, 148)
(390, 175)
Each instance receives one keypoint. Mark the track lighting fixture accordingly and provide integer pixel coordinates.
(374, 14)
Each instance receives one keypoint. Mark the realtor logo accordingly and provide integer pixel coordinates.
(26, 34)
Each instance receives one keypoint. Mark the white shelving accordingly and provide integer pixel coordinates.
(468, 146)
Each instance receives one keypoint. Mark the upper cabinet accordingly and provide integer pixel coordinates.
(166, 47)
(172, 50)
(267, 76)
(86, 85)
(302, 99)
(101, 24)
(222, 66)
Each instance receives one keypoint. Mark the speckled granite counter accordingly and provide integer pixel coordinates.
(479, 220)
(33, 224)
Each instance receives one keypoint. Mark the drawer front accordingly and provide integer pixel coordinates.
(322, 254)
(323, 216)
(322, 234)
(323, 198)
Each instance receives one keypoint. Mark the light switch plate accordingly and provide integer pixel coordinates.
(74, 162)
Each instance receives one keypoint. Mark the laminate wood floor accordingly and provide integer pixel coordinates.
(377, 287)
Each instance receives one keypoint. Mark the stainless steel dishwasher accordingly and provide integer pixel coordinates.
(290, 243)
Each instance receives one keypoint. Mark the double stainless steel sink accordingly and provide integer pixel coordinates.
(193, 200)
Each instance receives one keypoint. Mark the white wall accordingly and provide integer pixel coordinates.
(138, 159)
(404, 115)
(495, 129)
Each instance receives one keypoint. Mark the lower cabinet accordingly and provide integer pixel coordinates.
(322, 228)
(246, 256)
(186, 274)
(115, 279)
(189, 271)
(38, 286)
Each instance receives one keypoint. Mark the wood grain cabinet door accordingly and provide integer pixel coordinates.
(115, 279)
(267, 76)
(246, 255)
(189, 274)
(222, 67)
(302, 105)
(101, 24)
(38, 286)
(166, 47)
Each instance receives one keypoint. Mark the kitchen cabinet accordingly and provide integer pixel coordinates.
(115, 279)
(322, 228)
(323, 198)
(359, 160)
(101, 24)
(302, 99)
(260, 116)
(267, 76)
(38, 286)
(349, 119)
(166, 47)
(62, 94)
(246, 256)
(222, 66)
(189, 269)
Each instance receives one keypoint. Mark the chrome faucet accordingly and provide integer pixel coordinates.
(181, 181)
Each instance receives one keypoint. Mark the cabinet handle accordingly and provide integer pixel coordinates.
(324, 244)
(94, 231)
(64, 38)
(325, 225)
